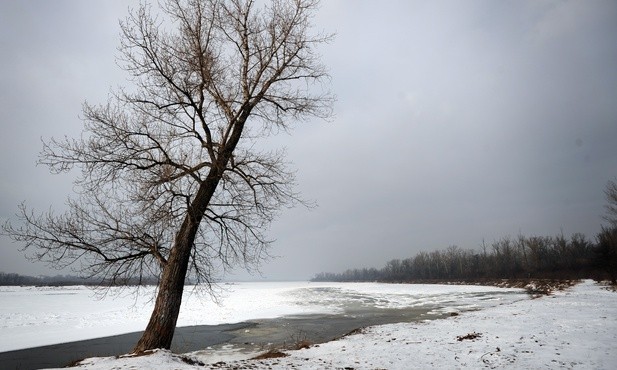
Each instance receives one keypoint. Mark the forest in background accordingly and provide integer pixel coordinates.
(13, 279)
(523, 257)
(535, 257)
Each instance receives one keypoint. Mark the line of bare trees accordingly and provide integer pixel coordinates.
(13, 279)
(521, 257)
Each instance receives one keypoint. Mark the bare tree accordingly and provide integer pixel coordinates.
(611, 206)
(170, 182)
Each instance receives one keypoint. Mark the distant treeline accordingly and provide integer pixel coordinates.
(509, 258)
(63, 280)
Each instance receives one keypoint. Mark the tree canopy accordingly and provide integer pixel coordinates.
(171, 181)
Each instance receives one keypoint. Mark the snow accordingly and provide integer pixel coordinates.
(576, 328)
(37, 316)
(572, 329)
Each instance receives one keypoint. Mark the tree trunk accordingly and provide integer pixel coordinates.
(160, 330)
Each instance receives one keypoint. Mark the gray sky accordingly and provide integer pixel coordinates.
(456, 121)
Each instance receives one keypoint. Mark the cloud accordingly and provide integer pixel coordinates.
(455, 122)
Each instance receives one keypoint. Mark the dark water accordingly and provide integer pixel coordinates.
(252, 335)
(186, 339)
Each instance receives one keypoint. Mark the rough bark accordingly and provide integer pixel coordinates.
(160, 330)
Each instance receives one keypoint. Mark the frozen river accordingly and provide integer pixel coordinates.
(37, 316)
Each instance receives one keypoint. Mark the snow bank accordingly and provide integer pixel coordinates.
(572, 329)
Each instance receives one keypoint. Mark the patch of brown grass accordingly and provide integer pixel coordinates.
(535, 287)
(302, 344)
(470, 336)
(191, 361)
(273, 353)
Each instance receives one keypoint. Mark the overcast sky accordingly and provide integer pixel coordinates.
(456, 121)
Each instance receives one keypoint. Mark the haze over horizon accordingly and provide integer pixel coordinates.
(456, 122)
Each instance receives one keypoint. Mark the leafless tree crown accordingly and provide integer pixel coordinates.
(201, 72)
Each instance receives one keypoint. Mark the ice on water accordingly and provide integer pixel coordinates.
(36, 316)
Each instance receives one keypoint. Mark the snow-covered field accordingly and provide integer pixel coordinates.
(576, 328)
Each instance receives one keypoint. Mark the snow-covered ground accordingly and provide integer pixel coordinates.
(37, 316)
(576, 328)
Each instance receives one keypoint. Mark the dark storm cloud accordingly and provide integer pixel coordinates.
(455, 121)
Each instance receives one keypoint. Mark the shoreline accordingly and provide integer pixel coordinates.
(63, 354)
(572, 328)
(248, 337)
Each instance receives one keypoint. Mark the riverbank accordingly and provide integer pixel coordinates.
(59, 355)
(573, 328)
(224, 341)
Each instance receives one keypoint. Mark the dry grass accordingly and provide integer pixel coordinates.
(535, 287)
(302, 344)
(470, 336)
(298, 342)
(273, 353)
